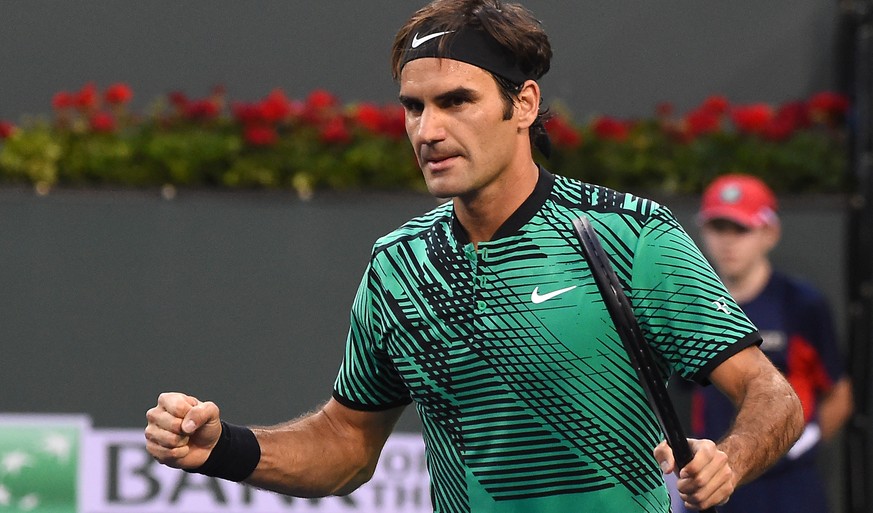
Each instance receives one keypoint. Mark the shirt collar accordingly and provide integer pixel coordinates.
(522, 214)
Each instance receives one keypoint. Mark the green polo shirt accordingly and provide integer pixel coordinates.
(527, 399)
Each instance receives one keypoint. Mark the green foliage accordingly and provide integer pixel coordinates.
(648, 160)
(318, 144)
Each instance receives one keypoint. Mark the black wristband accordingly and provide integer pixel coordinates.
(235, 455)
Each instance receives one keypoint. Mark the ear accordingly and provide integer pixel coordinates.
(527, 105)
(773, 233)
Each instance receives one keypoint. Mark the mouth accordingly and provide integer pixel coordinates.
(438, 163)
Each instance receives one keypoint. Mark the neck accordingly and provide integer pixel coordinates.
(746, 287)
(484, 211)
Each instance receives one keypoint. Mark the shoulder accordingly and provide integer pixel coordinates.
(593, 197)
(622, 213)
(415, 227)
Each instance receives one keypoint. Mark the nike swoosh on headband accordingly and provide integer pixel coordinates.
(538, 298)
(416, 41)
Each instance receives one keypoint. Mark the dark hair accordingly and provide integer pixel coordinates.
(513, 26)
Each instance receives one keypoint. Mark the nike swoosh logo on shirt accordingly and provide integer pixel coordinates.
(538, 298)
(416, 42)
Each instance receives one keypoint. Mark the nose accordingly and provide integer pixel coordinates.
(431, 126)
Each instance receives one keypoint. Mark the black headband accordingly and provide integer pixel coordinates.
(468, 45)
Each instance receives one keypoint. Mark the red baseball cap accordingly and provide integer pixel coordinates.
(742, 199)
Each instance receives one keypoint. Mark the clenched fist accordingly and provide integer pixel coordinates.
(182, 430)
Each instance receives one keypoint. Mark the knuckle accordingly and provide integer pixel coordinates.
(152, 414)
(211, 407)
(169, 456)
(178, 453)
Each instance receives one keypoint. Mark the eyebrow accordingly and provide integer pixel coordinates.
(458, 92)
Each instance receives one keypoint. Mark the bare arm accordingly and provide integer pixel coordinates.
(330, 452)
(769, 415)
(835, 408)
(769, 420)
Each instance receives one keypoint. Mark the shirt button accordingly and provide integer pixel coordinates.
(481, 306)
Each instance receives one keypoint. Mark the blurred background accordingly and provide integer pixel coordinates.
(620, 58)
(112, 295)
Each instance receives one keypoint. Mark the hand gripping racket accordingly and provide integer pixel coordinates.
(638, 350)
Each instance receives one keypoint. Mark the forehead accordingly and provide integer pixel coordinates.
(435, 75)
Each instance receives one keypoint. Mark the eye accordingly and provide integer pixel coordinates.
(412, 106)
(455, 100)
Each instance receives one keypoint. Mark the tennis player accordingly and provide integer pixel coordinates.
(483, 314)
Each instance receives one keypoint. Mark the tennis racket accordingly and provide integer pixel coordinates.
(638, 350)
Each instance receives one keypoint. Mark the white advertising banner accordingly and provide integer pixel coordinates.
(59, 464)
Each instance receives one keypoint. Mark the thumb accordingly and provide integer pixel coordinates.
(199, 415)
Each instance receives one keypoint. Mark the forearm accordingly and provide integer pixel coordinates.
(312, 457)
(769, 420)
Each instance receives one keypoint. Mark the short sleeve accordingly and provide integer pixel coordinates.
(685, 312)
(367, 379)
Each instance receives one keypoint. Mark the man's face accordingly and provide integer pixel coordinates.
(736, 250)
(454, 120)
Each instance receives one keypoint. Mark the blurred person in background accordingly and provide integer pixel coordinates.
(739, 228)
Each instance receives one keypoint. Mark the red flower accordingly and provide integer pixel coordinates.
(611, 128)
(752, 118)
(830, 102)
(778, 129)
(789, 118)
(102, 122)
(118, 94)
(335, 131)
(6, 129)
(275, 107)
(388, 120)
(321, 99)
(716, 104)
(828, 107)
(319, 106)
(562, 133)
(260, 135)
(63, 100)
(247, 113)
(87, 99)
(701, 121)
(795, 113)
(394, 121)
(369, 116)
(201, 109)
